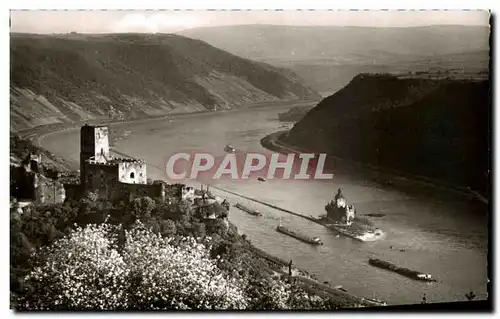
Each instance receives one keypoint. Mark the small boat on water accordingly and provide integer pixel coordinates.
(416, 275)
(229, 149)
(304, 238)
(261, 179)
(253, 212)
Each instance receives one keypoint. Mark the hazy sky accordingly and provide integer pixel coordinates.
(172, 21)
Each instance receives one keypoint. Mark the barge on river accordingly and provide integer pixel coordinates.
(253, 212)
(416, 275)
(301, 237)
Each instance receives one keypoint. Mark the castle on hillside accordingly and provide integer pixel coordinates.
(101, 176)
(114, 178)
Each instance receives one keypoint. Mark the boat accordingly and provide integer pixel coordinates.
(253, 212)
(364, 236)
(416, 275)
(229, 149)
(310, 240)
(261, 179)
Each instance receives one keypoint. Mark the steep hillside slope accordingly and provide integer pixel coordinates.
(327, 57)
(435, 128)
(67, 78)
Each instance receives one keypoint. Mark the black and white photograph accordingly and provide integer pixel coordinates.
(250, 160)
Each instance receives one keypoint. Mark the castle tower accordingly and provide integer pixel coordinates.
(94, 144)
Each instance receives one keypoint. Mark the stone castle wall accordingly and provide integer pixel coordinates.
(132, 172)
(104, 181)
(49, 191)
(99, 178)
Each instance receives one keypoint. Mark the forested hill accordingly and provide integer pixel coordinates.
(437, 128)
(78, 77)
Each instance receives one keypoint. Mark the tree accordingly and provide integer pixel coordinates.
(167, 228)
(81, 271)
(199, 230)
(180, 277)
(88, 270)
(217, 226)
(142, 207)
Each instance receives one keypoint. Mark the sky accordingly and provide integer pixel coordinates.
(174, 21)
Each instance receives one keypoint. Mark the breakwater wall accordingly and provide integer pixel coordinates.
(268, 205)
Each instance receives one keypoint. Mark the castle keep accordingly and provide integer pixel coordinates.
(101, 176)
(114, 178)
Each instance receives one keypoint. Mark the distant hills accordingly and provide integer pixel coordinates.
(77, 77)
(438, 128)
(327, 57)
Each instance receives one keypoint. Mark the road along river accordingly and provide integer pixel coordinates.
(445, 237)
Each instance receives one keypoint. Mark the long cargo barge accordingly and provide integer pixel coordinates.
(304, 238)
(253, 212)
(416, 275)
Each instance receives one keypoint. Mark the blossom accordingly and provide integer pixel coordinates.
(87, 270)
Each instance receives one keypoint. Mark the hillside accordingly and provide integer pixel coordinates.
(327, 57)
(21, 148)
(328, 79)
(437, 128)
(71, 78)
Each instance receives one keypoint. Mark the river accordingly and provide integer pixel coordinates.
(445, 237)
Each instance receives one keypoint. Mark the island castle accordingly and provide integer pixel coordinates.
(339, 211)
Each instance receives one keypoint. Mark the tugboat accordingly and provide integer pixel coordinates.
(310, 240)
(229, 149)
(416, 275)
(253, 212)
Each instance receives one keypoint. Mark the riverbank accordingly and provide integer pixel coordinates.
(387, 177)
(39, 131)
(311, 284)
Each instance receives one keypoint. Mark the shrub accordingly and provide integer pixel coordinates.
(142, 207)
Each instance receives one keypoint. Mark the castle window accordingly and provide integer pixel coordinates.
(132, 175)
